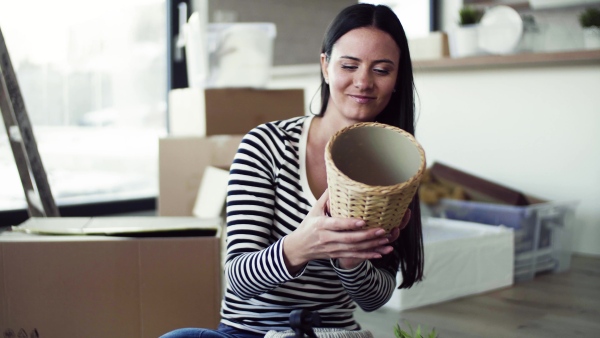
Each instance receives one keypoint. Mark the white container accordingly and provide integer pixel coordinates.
(228, 55)
(240, 54)
(543, 231)
(461, 259)
(463, 41)
(591, 38)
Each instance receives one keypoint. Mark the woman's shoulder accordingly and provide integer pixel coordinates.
(282, 129)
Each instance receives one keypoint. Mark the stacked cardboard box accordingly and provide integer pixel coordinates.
(206, 127)
(139, 276)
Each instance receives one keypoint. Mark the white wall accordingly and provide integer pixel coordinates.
(533, 129)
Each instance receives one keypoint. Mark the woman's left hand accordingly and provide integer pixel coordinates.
(349, 263)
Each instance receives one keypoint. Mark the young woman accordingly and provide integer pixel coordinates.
(283, 250)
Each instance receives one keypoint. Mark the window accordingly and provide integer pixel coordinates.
(93, 77)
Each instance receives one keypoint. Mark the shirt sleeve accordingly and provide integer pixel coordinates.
(254, 263)
(368, 286)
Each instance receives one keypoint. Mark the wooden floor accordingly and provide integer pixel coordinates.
(552, 305)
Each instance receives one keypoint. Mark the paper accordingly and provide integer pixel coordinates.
(212, 193)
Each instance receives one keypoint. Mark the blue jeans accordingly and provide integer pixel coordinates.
(223, 331)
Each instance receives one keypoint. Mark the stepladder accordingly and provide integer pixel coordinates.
(38, 194)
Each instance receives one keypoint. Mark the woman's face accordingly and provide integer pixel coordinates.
(361, 73)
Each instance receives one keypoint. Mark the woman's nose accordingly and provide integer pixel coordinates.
(363, 79)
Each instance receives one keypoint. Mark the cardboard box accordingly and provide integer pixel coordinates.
(461, 259)
(229, 111)
(211, 201)
(109, 286)
(443, 181)
(182, 161)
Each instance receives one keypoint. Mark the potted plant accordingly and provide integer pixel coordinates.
(590, 23)
(399, 333)
(463, 40)
(469, 16)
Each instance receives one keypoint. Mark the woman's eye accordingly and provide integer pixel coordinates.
(381, 71)
(349, 67)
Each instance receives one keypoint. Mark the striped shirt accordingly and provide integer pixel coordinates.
(267, 198)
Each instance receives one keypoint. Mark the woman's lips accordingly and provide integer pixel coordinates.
(362, 99)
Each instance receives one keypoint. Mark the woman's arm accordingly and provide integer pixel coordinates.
(371, 283)
(370, 287)
(253, 265)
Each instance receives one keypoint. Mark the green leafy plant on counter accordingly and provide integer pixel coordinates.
(399, 333)
(590, 18)
(469, 15)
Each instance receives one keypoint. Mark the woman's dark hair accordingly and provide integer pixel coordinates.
(400, 112)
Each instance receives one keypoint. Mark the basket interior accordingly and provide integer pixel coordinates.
(376, 156)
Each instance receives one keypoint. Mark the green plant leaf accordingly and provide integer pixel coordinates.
(418, 333)
(590, 18)
(410, 328)
(469, 15)
(397, 331)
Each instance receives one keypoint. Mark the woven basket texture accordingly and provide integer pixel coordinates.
(373, 196)
(323, 333)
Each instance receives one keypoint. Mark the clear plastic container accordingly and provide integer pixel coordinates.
(240, 54)
(543, 232)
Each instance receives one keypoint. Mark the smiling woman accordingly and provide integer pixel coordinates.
(93, 79)
(285, 251)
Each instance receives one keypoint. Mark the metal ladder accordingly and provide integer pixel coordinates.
(40, 201)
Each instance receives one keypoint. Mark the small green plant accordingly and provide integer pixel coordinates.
(469, 15)
(399, 333)
(590, 18)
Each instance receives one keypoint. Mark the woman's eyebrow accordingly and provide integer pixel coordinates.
(358, 59)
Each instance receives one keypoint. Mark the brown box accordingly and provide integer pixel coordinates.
(443, 181)
(110, 286)
(182, 161)
(229, 111)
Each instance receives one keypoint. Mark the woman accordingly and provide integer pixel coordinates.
(283, 250)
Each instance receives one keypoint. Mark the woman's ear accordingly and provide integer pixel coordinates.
(324, 65)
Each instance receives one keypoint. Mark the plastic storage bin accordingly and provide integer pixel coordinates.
(542, 232)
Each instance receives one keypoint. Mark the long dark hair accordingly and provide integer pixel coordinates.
(400, 112)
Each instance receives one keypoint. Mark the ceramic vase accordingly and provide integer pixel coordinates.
(591, 37)
(463, 41)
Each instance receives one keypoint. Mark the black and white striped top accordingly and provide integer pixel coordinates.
(268, 197)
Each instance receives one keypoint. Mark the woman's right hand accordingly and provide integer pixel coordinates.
(320, 236)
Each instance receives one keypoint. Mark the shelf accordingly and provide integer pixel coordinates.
(585, 57)
(515, 4)
(513, 60)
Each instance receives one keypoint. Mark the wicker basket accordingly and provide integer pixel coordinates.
(373, 172)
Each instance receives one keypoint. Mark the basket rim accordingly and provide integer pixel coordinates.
(374, 189)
